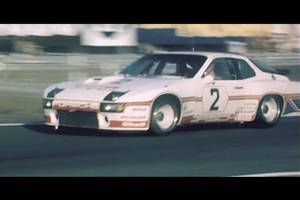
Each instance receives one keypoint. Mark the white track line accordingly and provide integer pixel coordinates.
(21, 124)
(279, 174)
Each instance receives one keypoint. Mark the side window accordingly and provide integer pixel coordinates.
(153, 68)
(263, 67)
(245, 71)
(221, 69)
(169, 69)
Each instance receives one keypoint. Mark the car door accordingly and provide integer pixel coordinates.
(243, 98)
(221, 84)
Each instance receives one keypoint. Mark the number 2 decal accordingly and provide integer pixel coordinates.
(213, 106)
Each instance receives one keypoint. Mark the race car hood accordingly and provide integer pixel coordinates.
(97, 88)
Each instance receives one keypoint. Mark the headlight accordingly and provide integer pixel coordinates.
(112, 107)
(114, 96)
(47, 103)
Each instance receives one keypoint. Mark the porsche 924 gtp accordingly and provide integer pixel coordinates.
(161, 91)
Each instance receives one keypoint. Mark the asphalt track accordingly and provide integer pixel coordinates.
(202, 150)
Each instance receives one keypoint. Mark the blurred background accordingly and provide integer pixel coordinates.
(33, 56)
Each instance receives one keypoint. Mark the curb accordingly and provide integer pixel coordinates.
(276, 174)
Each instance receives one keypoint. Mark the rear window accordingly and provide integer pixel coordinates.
(263, 67)
(245, 71)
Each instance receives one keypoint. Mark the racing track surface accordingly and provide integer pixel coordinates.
(207, 150)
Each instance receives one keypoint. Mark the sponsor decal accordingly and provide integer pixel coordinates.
(73, 109)
(128, 124)
(186, 119)
(139, 109)
(107, 87)
(134, 124)
(188, 107)
(244, 118)
(132, 117)
(47, 119)
(98, 87)
(247, 112)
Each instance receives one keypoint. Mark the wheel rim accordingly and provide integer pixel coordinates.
(165, 117)
(270, 109)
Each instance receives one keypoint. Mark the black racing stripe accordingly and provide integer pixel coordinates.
(297, 103)
(54, 92)
(289, 108)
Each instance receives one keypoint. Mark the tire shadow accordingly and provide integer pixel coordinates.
(71, 131)
(217, 126)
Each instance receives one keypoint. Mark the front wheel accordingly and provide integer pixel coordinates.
(269, 111)
(164, 117)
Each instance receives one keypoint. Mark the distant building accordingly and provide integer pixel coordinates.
(82, 38)
(133, 38)
(285, 36)
(268, 37)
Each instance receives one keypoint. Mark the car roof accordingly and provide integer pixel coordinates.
(202, 53)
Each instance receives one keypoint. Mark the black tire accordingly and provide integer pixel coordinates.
(269, 111)
(160, 109)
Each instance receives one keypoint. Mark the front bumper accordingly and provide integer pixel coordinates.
(136, 115)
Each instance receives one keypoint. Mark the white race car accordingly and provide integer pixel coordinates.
(161, 91)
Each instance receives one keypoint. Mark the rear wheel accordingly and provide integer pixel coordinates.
(269, 111)
(164, 117)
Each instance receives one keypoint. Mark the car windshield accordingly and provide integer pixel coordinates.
(166, 65)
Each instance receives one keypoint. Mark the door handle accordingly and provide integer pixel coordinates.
(238, 87)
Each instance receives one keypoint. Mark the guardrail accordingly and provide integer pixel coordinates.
(109, 62)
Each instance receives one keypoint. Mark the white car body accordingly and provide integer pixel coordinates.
(237, 100)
